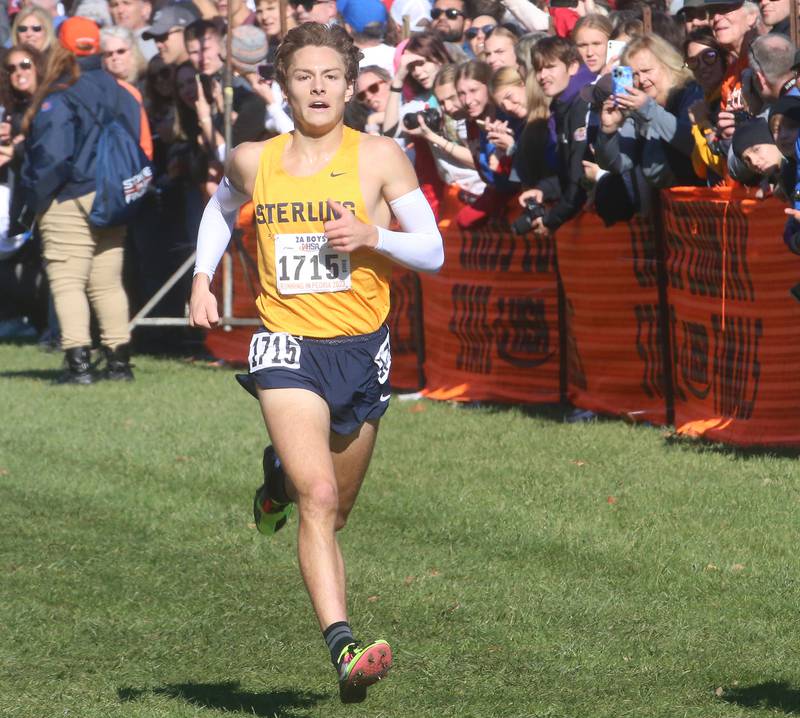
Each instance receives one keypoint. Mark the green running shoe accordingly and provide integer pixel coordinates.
(361, 666)
(270, 515)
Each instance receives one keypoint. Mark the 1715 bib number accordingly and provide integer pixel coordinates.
(271, 350)
(304, 264)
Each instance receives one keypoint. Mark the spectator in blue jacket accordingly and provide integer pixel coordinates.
(84, 263)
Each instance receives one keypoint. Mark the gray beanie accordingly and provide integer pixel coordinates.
(248, 47)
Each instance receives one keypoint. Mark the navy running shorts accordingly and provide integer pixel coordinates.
(350, 373)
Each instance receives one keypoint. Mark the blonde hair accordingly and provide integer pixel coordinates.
(663, 53)
(537, 103)
(593, 21)
(44, 20)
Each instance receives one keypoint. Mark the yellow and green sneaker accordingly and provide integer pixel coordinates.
(362, 666)
(270, 515)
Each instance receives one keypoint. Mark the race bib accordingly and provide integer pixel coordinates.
(273, 350)
(304, 264)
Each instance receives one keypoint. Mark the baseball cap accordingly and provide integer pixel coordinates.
(360, 13)
(167, 18)
(755, 132)
(80, 35)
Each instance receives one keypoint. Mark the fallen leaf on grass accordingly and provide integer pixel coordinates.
(251, 525)
(408, 580)
(719, 692)
(737, 567)
(577, 462)
(4, 472)
(372, 599)
(711, 567)
(182, 458)
(434, 572)
(611, 500)
(417, 408)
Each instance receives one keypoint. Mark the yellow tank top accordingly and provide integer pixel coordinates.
(306, 289)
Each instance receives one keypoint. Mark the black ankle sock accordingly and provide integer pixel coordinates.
(337, 636)
(274, 478)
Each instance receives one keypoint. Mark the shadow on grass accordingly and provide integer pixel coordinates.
(737, 452)
(43, 374)
(773, 695)
(228, 697)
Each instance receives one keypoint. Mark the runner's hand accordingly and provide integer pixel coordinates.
(203, 304)
(346, 233)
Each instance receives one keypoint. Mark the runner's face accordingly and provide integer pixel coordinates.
(316, 88)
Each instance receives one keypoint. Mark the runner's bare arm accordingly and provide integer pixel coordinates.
(216, 227)
(419, 245)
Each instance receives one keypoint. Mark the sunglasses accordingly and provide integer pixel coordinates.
(472, 33)
(370, 90)
(307, 4)
(119, 51)
(450, 13)
(32, 28)
(21, 65)
(709, 57)
(163, 38)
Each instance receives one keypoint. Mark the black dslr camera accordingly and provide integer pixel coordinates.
(533, 210)
(432, 117)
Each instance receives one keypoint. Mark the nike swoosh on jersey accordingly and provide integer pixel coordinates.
(338, 174)
(386, 397)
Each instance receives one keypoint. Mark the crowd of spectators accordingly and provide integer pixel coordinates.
(579, 105)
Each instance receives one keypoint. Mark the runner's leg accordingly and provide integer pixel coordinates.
(351, 457)
(298, 422)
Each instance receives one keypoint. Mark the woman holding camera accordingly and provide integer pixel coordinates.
(445, 131)
(421, 59)
(658, 103)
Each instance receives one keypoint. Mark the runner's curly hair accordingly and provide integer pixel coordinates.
(318, 35)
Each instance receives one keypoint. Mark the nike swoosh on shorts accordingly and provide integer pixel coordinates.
(386, 397)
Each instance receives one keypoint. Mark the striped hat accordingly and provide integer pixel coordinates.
(248, 48)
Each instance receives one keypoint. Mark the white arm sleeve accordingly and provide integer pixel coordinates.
(216, 226)
(419, 245)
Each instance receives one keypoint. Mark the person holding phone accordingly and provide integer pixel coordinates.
(658, 104)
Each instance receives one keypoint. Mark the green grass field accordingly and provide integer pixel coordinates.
(519, 566)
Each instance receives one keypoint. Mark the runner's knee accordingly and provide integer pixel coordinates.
(319, 498)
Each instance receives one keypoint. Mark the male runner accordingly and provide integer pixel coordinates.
(323, 196)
